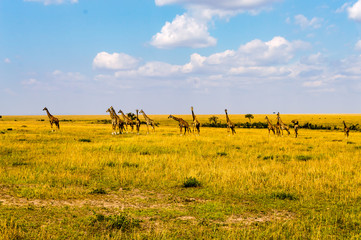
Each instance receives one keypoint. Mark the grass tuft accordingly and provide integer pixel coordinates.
(98, 191)
(191, 182)
(84, 140)
(284, 196)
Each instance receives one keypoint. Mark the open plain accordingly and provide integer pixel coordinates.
(81, 182)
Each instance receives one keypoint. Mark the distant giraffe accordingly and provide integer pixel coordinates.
(52, 119)
(127, 120)
(271, 127)
(116, 121)
(182, 124)
(346, 129)
(148, 121)
(282, 126)
(296, 127)
(196, 123)
(137, 122)
(230, 125)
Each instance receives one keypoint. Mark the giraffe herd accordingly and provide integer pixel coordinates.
(120, 125)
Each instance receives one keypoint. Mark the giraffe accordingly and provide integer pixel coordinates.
(148, 121)
(271, 127)
(182, 124)
(196, 123)
(230, 125)
(296, 127)
(281, 125)
(346, 129)
(116, 121)
(137, 122)
(127, 120)
(52, 119)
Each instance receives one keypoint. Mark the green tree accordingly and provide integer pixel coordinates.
(249, 116)
(213, 120)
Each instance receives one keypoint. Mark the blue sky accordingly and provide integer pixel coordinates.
(250, 56)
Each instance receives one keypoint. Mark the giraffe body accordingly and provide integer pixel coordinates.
(182, 124)
(296, 127)
(127, 120)
(230, 124)
(281, 126)
(116, 121)
(137, 122)
(271, 127)
(52, 119)
(196, 123)
(149, 121)
(346, 130)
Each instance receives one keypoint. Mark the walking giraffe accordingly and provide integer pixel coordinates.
(271, 127)
(346, 129)
(182, 124)
(116, 121)
(281, 125)
(148, 121)
(137, 122)
(296, 127)
(52, 119)
(127, 120)
(196, 123)
(230, 125)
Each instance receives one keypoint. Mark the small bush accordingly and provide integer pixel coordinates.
(191, 182)
(222, 154)
(84, 140)
(98, 191)
(120, 221)
(284, 196)
(128, 164)
(303, 157)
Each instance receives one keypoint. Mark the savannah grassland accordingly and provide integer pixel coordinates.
(82, 182)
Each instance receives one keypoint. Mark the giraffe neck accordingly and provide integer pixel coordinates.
(344, 124)
(137, 115)
(227, 118)
(47, 112)
(145, 116)
(194, 117)
(123, 115)
(175, 118)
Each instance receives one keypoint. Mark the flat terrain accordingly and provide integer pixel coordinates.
(82, 182)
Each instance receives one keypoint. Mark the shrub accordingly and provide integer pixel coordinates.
(303, 157)
(191, 182)
(98, 191)
(84, 140)
(120, 221)
(284, 196)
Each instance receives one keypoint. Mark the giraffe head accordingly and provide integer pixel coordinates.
(120, 111)
(170, 116)
(45, 109)
(266, 118)
(108, 110)
(192, 108)
(141, 111)
(225, 110)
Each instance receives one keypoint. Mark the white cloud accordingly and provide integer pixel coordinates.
(312, 84)
(191, 28)
(354, 12)
(30, 82)
(114, 61)
(302, 21)
(49, 2)
(7, 60)
(68, 76)
(233, 5)
(358, 45)
(184, 31)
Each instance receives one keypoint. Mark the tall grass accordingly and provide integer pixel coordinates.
(252, 185)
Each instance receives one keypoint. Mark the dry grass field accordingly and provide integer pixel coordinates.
(82, 182)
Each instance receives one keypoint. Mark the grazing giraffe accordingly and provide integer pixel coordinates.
(282, 126)
(148, 121)
(127, 120)
(137, 122)
(271, 127)
(182, 124)
(230, 125)
(116, 121)
(346, 129)
(196, 123)
(52, 119)
(296, 127)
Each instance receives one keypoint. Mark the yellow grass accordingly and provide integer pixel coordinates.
(252, 185)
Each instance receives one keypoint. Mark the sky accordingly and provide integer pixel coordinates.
(164, 56)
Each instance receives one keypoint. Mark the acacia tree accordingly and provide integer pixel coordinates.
(213, 119)
(249, 116)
